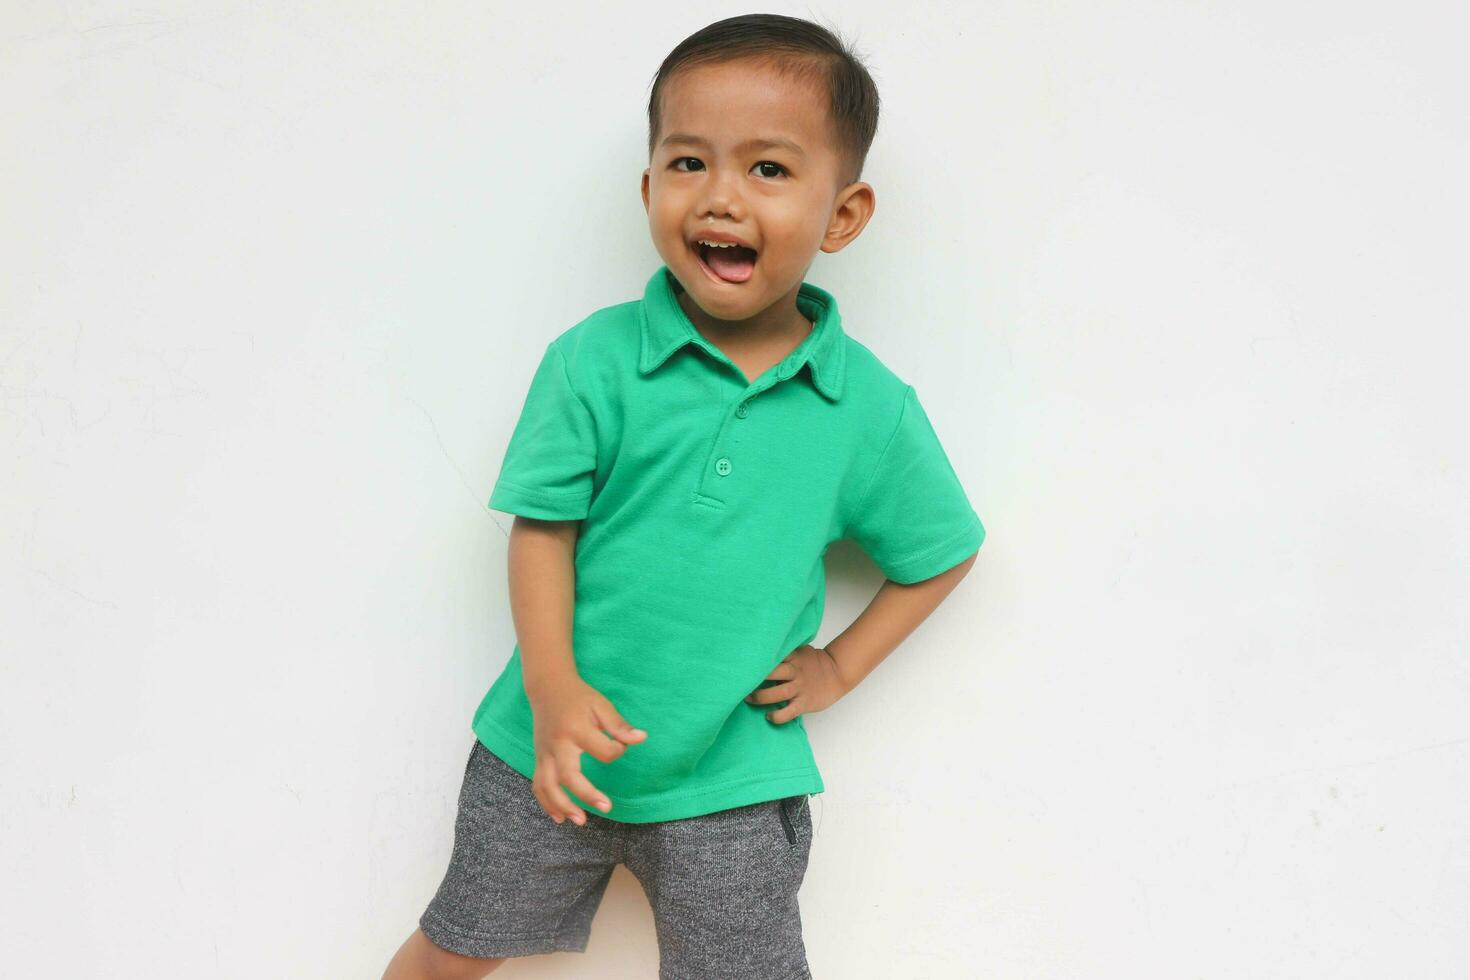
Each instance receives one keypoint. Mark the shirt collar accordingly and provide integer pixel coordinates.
(666, 328)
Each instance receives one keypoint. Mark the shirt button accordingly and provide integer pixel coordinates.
(722, 466)
(742, 410)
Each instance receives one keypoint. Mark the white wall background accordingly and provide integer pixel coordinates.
(1182, 286)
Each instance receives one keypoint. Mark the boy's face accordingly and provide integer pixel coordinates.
(710, 175)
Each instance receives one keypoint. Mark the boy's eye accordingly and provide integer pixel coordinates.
(764, 163)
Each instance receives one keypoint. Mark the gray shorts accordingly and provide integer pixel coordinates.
(722, 885)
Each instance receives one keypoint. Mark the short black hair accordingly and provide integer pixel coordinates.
(798, 48)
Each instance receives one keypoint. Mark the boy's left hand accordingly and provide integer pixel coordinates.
(813, 682)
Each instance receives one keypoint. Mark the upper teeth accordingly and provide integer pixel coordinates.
(706, 241)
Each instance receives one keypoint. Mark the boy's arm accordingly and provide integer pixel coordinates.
(891, 616)
(542, 583)
(571, 717)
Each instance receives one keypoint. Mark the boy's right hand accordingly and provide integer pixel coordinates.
(569, 717)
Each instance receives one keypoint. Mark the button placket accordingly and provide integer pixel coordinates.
(720, 462)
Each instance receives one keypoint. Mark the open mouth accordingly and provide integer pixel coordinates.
(726, 263)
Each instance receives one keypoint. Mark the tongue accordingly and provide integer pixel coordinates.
(731, 264)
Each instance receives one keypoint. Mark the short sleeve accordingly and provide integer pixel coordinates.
(914, 519)
(551, 459)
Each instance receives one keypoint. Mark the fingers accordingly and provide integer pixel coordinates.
(772, 694)
(553, 799)
(602, 747)
(616, 725)
(583, 787)
(784, 671)
(782, 715)
(563, 809)
(787, 692)
(584, 721)
(552, 774)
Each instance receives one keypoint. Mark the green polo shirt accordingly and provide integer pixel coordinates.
(707, 502)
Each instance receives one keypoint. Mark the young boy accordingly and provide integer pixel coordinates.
(681, 465)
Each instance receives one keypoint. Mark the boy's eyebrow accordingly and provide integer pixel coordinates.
(757, 144)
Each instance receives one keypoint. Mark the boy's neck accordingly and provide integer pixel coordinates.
(780, 323)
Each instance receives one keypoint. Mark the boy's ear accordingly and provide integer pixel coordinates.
(646, 172)
(850, 213)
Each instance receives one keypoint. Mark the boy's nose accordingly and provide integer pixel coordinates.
(721, 200)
